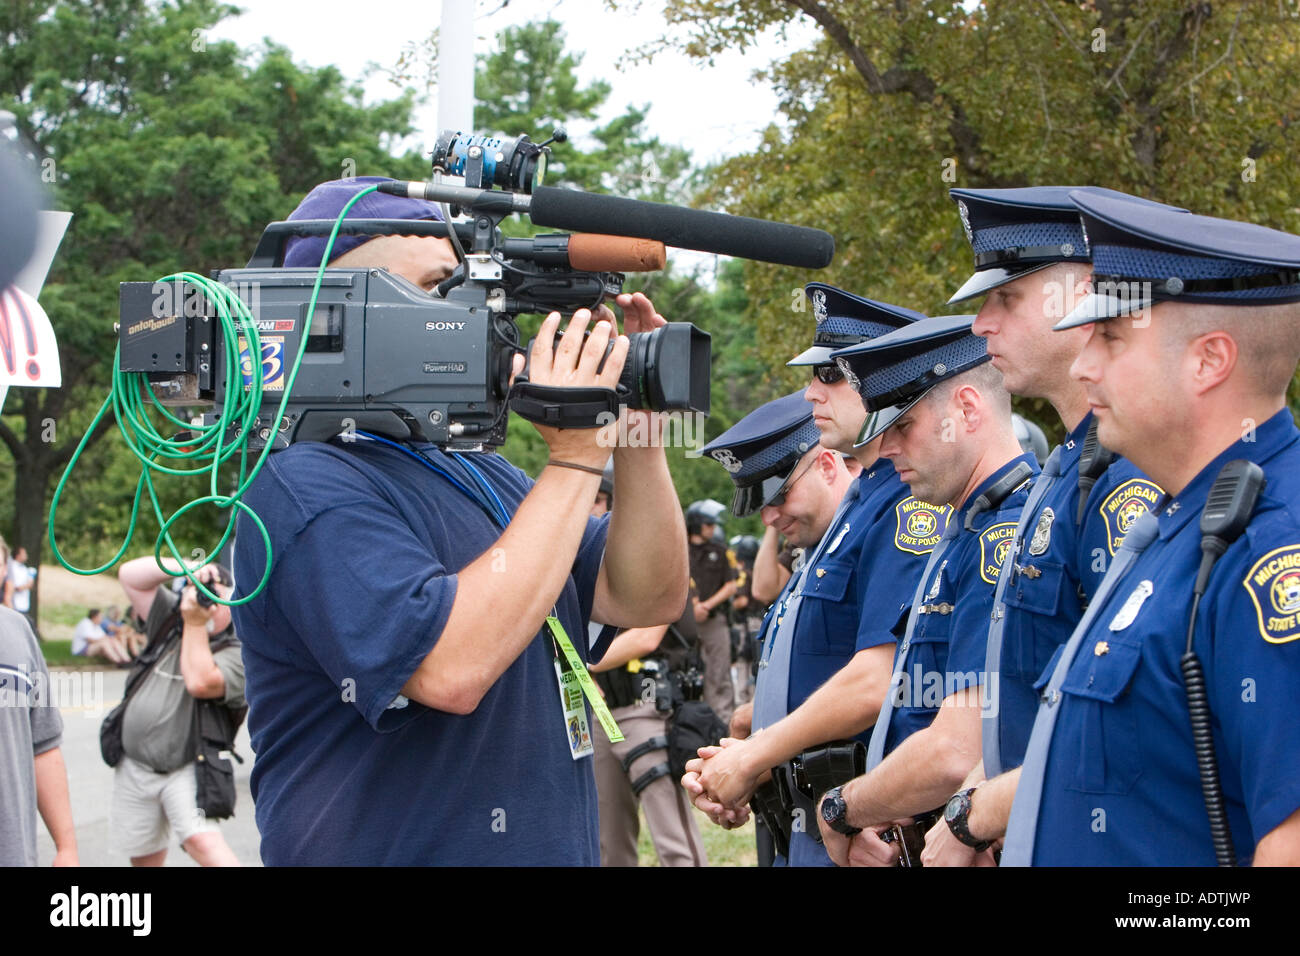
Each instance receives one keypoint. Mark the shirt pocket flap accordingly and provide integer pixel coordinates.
(827, 582)
(1036, 588)
(1105, 672)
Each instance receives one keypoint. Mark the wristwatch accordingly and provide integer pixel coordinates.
(835, 813)
(957, 815)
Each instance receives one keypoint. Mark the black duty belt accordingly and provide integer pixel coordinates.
(830, 765)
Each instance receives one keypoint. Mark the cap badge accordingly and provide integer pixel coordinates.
(726, 459)
(819, 305)
(849, 377)
(965, 220)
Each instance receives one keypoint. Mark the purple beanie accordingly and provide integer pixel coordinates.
(327, 200)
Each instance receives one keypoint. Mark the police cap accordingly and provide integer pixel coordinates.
(893, 373)
(761, 450)
(1014, 232)
(846, 319)
(1141, 256)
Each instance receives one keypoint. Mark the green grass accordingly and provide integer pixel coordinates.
(722, 847)
(59, 620)
(59, 654)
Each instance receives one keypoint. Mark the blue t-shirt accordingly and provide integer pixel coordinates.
(1057, 569)
(1121, 786)
(863, 580)
(366, 545)
(948, 644)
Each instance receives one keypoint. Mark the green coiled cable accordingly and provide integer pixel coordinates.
(206, 444)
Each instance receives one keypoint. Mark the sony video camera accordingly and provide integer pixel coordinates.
(385, 356)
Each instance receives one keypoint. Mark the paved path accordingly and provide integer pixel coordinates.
(85, 697)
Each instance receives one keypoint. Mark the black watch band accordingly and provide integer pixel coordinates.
(957, 815)
(835, 812)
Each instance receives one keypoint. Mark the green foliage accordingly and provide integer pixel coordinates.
(173, 152)
(1180, 101)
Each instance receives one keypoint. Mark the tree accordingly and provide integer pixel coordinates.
(172, 152)
(531, 84)
(1187, 102)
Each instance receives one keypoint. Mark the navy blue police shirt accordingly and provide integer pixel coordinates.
(1059, 566)
(366, 544)
(863, 579)
(1121, 786)
(948, 643)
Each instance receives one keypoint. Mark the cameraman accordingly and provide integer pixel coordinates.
(403, 681)
(154, 789)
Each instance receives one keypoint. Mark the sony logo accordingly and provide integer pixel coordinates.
(443, 326)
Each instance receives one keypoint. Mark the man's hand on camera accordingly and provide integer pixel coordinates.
(568, 362)
(192, 612)
(639, 313)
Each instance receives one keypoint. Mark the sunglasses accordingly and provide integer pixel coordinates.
(778, 499)
(828, 374)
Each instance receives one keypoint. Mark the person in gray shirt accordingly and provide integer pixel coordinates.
(154, 792)
(32, 774)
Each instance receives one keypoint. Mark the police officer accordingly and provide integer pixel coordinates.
(749, 613)
(1031, 259)
(823, 677)
(1194, 335)
(635, 772)
(714, 578)
(951, 439)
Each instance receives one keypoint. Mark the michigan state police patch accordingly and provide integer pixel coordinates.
(1274, 585)
(920, 525)
(995, 542)
(1125, 505)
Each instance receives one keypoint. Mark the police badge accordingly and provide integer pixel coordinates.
(1042, 533)
(727, 460)
(965, 220)
(819, 306)
(847, 372)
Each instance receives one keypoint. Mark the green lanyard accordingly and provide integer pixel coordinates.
(588, 685)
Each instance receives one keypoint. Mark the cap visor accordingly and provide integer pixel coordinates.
(877, 422)
(986, 280)
(817, 355)
(753, 497)
(1099, 308)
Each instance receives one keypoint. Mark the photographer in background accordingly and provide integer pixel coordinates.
(411, 662)
(154, 787)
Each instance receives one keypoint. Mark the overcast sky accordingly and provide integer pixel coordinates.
(713, 111)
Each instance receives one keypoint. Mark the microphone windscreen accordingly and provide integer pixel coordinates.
(590, 252)
(758, 239)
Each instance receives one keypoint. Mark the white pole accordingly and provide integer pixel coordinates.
(456, 66)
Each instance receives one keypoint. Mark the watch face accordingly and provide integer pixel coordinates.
(832, 807)
(953, 808)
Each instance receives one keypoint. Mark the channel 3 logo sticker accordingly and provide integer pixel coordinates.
(272, 363)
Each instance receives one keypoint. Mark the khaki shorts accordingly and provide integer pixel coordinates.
(148, 807)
